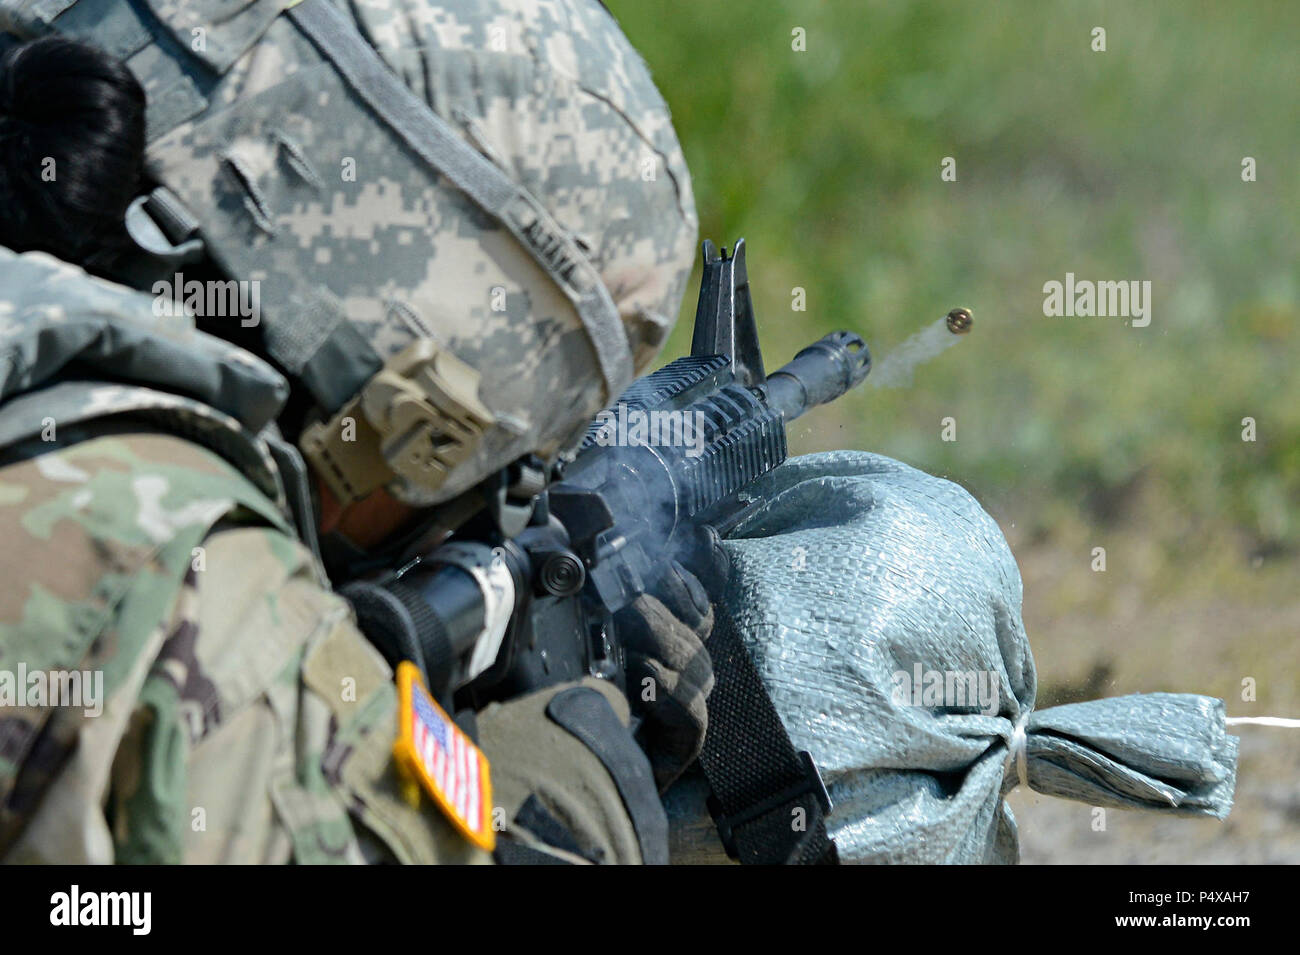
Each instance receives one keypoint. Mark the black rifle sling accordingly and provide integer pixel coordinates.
(768, 800)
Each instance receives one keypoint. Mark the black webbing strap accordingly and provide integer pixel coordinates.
(516, 853)
(768, 801)
(542, 825)
(587, 715)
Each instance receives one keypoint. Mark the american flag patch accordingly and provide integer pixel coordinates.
(435, 751)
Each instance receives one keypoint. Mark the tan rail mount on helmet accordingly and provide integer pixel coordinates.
(417, 419)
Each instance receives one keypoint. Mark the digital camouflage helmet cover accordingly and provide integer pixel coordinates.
(470, 222)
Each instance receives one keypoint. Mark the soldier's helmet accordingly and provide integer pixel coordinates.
(469, 222)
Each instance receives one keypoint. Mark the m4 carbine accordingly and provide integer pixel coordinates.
(661, 471)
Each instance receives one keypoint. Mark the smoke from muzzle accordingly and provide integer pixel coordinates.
(895, 369)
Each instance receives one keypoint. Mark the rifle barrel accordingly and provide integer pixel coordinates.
(819, 373)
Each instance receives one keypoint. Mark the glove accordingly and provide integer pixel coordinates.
(669, 673)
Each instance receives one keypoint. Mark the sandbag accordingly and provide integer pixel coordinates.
(882, 607)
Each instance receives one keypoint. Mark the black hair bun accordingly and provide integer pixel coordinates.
(72, 128)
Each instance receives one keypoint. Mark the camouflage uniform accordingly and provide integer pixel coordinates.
(246, 719)
(226, 734)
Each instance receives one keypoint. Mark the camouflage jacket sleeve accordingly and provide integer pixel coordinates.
(178, 685)
(225, 707)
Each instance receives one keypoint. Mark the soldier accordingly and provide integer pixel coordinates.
(454, 232)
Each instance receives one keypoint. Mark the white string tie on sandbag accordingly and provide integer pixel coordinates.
(1016, 749)
(1263, 721)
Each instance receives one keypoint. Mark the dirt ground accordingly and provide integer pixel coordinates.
(1206, 629)
(1264, 826)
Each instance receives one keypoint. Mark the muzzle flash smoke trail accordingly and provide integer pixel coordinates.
(896, 368)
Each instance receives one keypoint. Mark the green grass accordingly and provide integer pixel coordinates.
(1117, 165)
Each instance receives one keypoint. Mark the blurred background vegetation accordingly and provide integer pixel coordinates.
(1075, 433)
